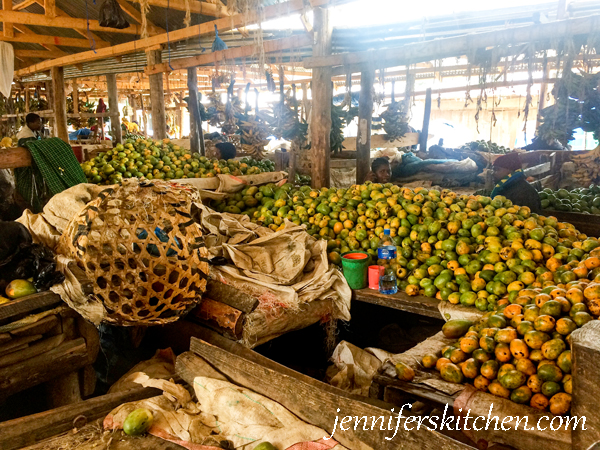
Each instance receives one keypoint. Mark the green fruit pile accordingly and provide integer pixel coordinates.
(471, 250)
(486, 147)
(581, 200)
(150, 159)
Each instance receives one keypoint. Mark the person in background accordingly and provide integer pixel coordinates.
(225, 150)
(381, 171)
(512, 183)
(31, 129)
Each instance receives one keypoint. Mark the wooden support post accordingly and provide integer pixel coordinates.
(157, 98)
(322, 93)
(426, 116)
(113, 107)
(144, 118)
(27, 99)
(132, 105)
(75, 96)
(196, 134)
(365, 115)
(543, 90)
(60, 103)
(585, 348)
(7, 28)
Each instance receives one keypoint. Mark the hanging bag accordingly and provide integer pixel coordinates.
(112, 16)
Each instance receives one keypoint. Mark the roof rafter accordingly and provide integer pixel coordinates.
(53, 40)
(137, 16)
(196, 7)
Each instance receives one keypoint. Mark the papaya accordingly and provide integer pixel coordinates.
(552, 308)
(265, 446)
(138, 422)
(526, 366)
(560, 403)
(549, 372)
(429, 361)
(481, 356)
(495, 388)
(457, 356)
(521, 395)
(564, 361)
(452, 373)
(544, 323)
(553, 348)
(489, 369)
(519, 349)
(565, 326)
(550, 388)
(20, 288)
(441, 362)
(502, 352)
(469, 344)
(453, 329)
(539, 401)
(505, 335)
(405, 373)
(535, 339)
(568, 384)
(470, 368)
(513, 379)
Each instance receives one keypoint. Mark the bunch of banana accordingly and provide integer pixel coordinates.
(587, 167)
(254, 134)
(395, 121)
(216, 110)
(287, 124)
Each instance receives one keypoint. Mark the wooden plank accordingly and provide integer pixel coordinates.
(365, 116)
(203, 29)
(426, 116)
(419, 304)
(157, 98)
(220, 317)
(196, 7)
(69, 356)
(26, 18)
(274, 45)
(27, 430)
(538, 170)
(137, 16)
(320, 404)
(40, 327)
(460, 45)
(30, 302)
(24, 4)
(585, 348)
(63, 390)
(188, 366)
(113, 106)
(4, 337)
(322, 93)
(60, 103)
(18, 343)
(7, 26)
(50, 8)
(53, 40)
(381, 141)
(44, 54)
(90, 333)
(231, 296)
(417, 390)
(11, 158)
(33, 350)
(89, 115)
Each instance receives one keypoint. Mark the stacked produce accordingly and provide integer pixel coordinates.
(521, 350)
(485, 146)
(581, 200)
(469, 250)
(6, 142)
(587, 167)
(152, 159)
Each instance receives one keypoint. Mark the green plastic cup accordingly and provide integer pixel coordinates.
(355, 265)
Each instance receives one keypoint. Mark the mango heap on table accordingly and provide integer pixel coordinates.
(469, 250)
(521, 350)
(150, 159)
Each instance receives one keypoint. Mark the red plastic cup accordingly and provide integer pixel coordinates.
(375, 272)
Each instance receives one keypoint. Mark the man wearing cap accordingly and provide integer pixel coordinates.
(512, 183)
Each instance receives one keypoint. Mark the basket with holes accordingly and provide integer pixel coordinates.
(141, 248)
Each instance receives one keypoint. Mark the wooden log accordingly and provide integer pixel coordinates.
(69, 356)
(585, 348)
(113, 107)
(421, 305)
(75, 97)
(4, 337)
(220, 317)
(365, 116)
(14, 344)
(63, 390)
(157, 98)
(27, 430)
(33, 350)
(416, 390)
(188, 366)
(195, 120)
(42, 326)
(231, 296)
(322, 93)
(60, 104)
(87, 380)
(426, 117)
(11, 158)
(322, 405)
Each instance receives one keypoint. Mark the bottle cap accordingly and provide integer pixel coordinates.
(386, 232)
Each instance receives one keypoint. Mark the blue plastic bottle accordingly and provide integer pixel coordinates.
(387, 253)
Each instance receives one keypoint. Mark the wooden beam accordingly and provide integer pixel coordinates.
(113, 107)
(137, 16)
(460, 45)
(86, 34)
(26, 18)
(50, 8)
(75, 97)
(157, 98)
(44, 54)
(24, 4)
(275, 45)
(365, 116)
(195, 119)
(54, 40)
(196, 7)
(322, 93)
(60, 103)
(204, 29)
(7, 27)
(426, 117)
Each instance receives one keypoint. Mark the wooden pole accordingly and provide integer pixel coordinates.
(543, 91)
(426, 116)
(7, 27)
(157, 98)
(322, 93)
(113, 107)
(27, 99)
(60, 103)
(196, 134)
(75, 97)
(144, 118)
(365, 116)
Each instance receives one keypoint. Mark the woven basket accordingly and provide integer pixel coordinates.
(141, 248)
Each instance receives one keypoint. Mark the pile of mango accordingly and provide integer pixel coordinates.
(580, 200)
(150, 159)
(521, 350)
(469, 250)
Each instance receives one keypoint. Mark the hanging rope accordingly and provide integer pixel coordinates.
(168, 42)
(144, 8)
(187, 21)
(90, 37)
